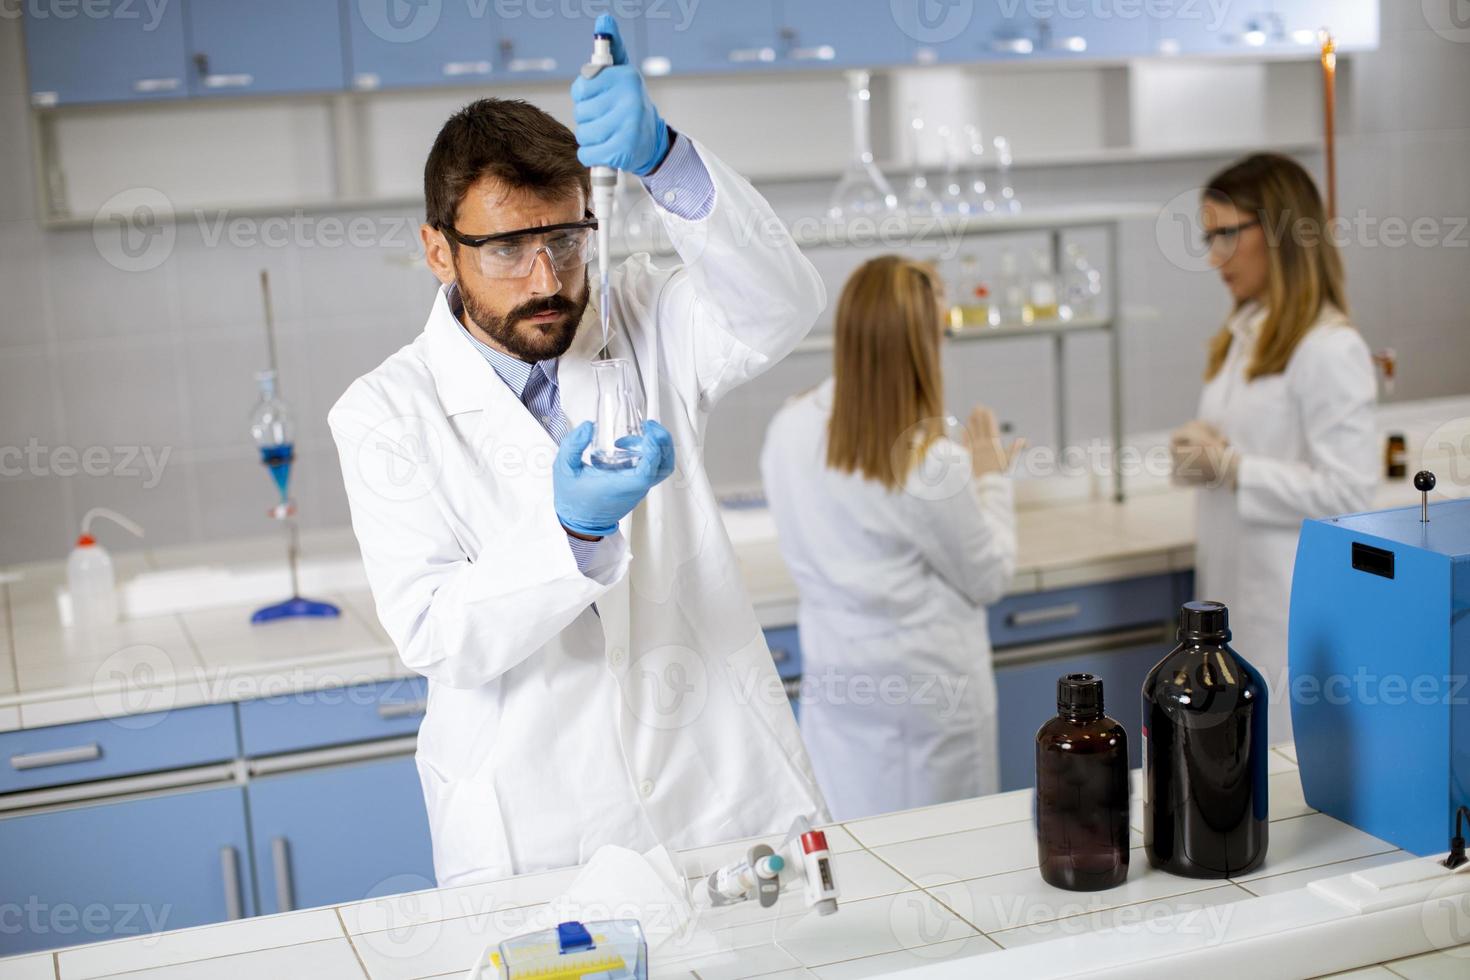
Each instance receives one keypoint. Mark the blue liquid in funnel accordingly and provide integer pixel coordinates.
(278, 459)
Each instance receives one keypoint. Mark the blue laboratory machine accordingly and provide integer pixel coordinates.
(1379, 653)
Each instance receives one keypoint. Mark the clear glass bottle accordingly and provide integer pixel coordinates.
(619, 414)
(1204, 753)
(919, 199)
(972, 305)
(862, 191)
(1010, 292)
(1082, 791)
(1041, 290)
(1081, 286)
(1005, 194)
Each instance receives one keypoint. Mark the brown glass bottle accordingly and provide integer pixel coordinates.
(1082, 791)
(1204, 753)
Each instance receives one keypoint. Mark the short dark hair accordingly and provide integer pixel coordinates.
(514, 142)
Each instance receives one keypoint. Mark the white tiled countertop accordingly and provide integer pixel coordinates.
(919, 888)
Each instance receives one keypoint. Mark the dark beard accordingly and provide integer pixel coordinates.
(527, 341)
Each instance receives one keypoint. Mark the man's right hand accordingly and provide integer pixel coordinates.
(590, 500)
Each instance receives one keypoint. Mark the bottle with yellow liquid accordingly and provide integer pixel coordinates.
(1041, 294)
(972, 306)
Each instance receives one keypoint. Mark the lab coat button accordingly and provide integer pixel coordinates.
(617, 656)
(646, 788)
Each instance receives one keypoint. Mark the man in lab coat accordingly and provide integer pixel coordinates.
(596, 671)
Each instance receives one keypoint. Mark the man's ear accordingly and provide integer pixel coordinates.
(437, 253)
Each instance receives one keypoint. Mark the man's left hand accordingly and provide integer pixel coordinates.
(617, 124)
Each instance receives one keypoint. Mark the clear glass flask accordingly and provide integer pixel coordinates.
(619, 414)
(919, 199)
(863, 191)
(1006, 200)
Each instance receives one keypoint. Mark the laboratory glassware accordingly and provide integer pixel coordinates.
(91, 585)
(972, 305)
(953, 195)
(1204, 753)
(1081, 286)
(1041, 290)
(1082, 791)
(273, 429)
(1009, 295)
(919, 199)
(862, 191)
(1006, 200)
(619, 414)
(977, 191)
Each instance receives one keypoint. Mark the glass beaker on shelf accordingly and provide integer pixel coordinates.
(1005, 193)
(1042, 304)
(862, 190)
(1009, 295)
(954, 197)
(972, 306)
(977, 191)
(919, 199)
(1081, 286)
(619, 414)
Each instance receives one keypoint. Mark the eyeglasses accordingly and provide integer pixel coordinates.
(1226, 234)
(512, 254)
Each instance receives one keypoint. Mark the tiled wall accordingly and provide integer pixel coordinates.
(93, 358)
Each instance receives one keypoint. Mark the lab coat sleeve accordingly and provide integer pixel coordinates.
(1331, 379)
(742, 297)
(457, 621)
(969, 537)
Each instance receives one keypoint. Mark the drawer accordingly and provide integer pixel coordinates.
(37, 757)
(1039, 616)
(785, 647)
(333, 716)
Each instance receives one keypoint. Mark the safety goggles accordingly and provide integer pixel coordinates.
(512, 254)
(1225, 235)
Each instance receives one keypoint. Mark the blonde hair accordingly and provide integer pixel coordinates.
(1305, 269)
(888, 405)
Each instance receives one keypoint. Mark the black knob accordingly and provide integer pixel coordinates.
(1424, 481)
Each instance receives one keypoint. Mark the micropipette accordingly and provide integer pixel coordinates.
(604, 185)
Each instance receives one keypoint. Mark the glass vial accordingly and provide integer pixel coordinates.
(1082, 791)
(1204, 753)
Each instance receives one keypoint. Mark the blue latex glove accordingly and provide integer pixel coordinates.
(617, 125)
(589, 500)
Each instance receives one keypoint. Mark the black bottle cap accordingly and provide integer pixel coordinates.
(1204, 620)
(1080, 695)
(1424, 481)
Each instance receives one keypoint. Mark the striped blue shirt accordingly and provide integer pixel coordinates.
(681, 186)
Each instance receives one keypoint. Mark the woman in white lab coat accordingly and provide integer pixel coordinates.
(1285, 428)
(897, 532)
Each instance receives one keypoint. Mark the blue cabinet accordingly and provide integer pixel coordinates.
(541, 41)
(265, 46)
(333, 716)
(859, 34)
(111, 870)
(75, 55)
(327, 836)
(1027, 695)
(716, 38)
(961, 32)
(1354, 24)
(396, 43)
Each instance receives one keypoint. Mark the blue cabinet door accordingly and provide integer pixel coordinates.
(334, 835)
(265, 46)
(397, 43)
(962, 32)
(1027, 695)
(110, 870)
(1195, 27)
(541, 41)
(132, 53)
(854, 34)
(710, 38)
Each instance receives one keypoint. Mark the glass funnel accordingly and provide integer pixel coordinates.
(863, 190)
(619, 414)
(273, 429)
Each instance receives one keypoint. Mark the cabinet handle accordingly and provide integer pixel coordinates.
(237, 80)
(456, 68)
(531, 64)
(387, 712)
(150, 85)
(281, 863)
(1046, 614)
(56, 757)
(229, 865)
(753, 54)
(822, 52)
(1012, 45)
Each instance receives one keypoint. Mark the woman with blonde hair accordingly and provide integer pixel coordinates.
(1285, 428)
(897, 533)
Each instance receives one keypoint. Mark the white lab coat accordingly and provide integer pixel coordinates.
(554, 725)
(1308, 450)
(898, 699)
